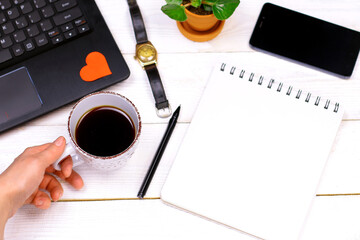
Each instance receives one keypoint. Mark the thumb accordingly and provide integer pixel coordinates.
(52, 152)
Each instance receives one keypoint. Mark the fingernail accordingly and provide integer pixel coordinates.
(59, 141)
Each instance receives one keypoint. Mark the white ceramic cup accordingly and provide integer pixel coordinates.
(82, 107)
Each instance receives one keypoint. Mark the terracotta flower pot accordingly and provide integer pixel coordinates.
(200, 28)
(200, 22)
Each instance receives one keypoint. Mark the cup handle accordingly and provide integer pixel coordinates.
(69, 151)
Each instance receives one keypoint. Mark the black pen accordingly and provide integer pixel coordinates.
(159, 153)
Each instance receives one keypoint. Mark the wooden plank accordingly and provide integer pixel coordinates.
(331, 218)
(125, 219)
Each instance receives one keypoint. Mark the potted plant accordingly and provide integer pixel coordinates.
(200, 20)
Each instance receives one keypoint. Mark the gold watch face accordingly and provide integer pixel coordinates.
(146, 53)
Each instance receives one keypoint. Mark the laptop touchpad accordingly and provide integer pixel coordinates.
(18, 95)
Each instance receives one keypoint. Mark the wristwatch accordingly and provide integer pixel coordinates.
(146, 55)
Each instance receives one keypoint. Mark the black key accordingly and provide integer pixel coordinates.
(6, 42)
(32, 31)
(29, 45)
(54, 32)
(67, 27)
(19, 36)
(8, 28)
(57, 39)
(5, 4)
(47, 12)
(18, 50)
(26, 8)
(83, 28)
(41, 40)
(67, 16)
(21, 22)
(34, 17)
(52, 1)
(18, 1)
(80, 21)
(70, 34)
(5, 55)
(63, 5)
(46, 25)
(39, 3)
(2, 18)
(13, 13)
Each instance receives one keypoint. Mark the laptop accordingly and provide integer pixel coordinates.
(53, 52)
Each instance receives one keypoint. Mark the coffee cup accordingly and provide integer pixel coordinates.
(104, 130)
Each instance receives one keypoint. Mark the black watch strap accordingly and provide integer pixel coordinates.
(138, 23)
(157, 88)
(163, 108)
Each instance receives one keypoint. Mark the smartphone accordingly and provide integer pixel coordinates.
(306, 39)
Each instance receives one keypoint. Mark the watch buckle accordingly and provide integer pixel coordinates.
(164, 112)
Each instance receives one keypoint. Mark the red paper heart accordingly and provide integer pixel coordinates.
(97, 67)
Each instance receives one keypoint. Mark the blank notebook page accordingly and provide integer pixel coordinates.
(254, 154)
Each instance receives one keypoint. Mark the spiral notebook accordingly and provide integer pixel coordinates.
(253, 155)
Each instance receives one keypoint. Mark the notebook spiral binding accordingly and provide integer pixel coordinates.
(280, 86)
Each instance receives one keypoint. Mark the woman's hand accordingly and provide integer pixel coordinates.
(30, 178)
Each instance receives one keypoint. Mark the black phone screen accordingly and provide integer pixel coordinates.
(306, 39)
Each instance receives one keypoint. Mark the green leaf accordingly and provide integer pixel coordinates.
(176, 2)
(223, 9)
(175, 12)
(195, 3)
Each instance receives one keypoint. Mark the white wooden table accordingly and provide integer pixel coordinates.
(107, 207)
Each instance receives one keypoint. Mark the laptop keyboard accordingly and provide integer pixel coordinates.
(29, 27)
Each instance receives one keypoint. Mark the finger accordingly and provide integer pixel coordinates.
(50, 169)
(50, 154)
(75, 180)
(53, 186)
(41, 200)
(40, 148)
(36, 149)
(66, 166)
(59, 174)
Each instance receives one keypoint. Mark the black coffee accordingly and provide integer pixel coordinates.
(105, 131)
